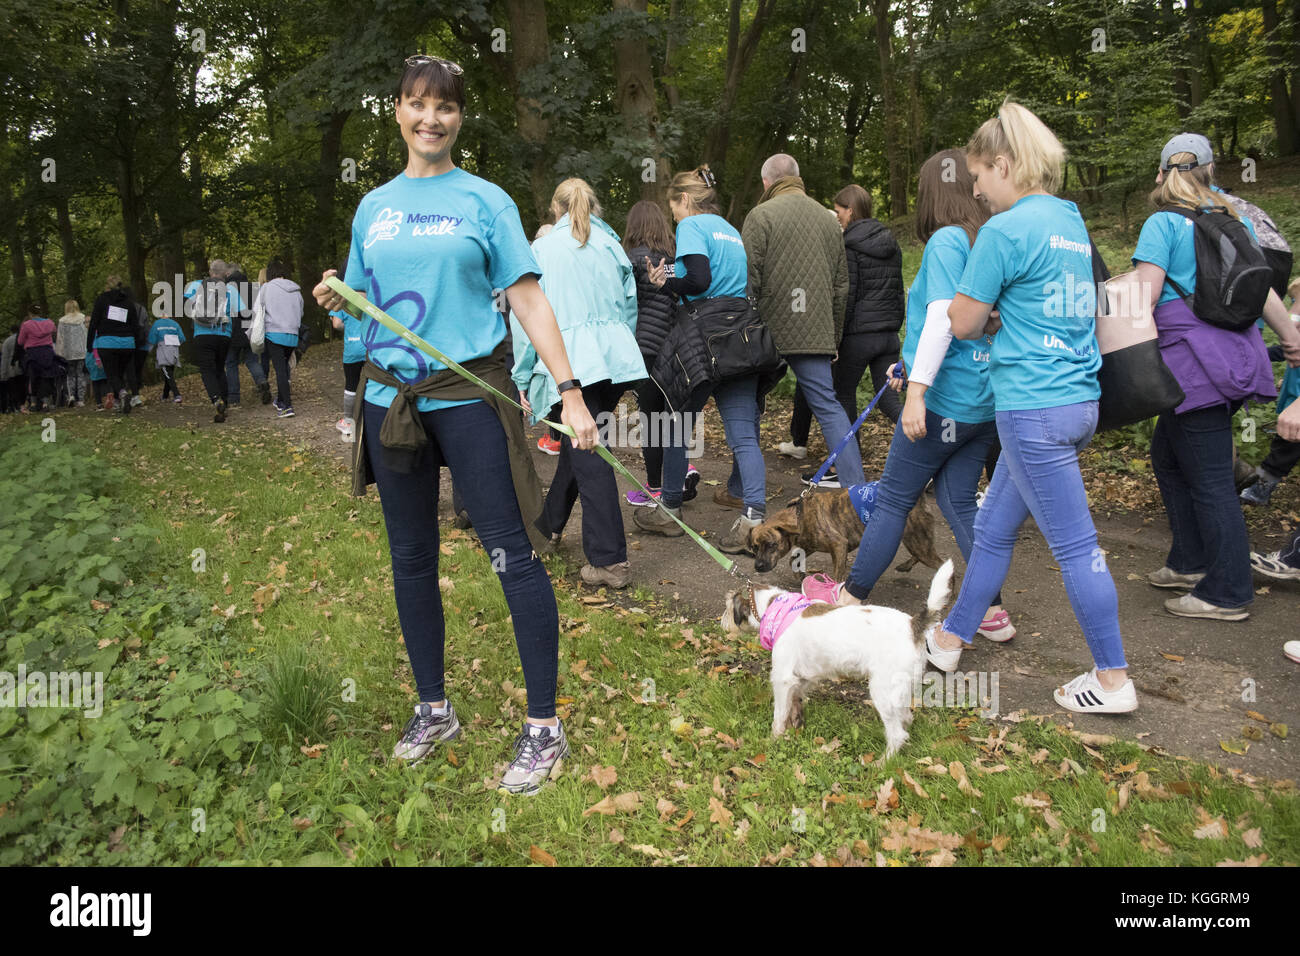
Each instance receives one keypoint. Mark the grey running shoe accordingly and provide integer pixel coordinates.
(536, 758)
(424, 730)
(1261, 491)
(1191, 606)
(1167, 577)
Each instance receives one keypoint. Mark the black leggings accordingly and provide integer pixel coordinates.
(119, 366)
(352, 375)
(280, 359)
(169, 381)
(210, 353)
(650, 402)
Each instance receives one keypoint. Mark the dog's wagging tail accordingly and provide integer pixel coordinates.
(940, 590)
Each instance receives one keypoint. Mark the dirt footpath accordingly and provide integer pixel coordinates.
(1196, 679)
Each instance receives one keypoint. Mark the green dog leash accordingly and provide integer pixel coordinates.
(361, 303)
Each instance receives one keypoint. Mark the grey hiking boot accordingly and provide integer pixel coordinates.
(737, 539)
(1261, 491)
(537, 757)
(656, 521)
(424, 730)
(614, 575)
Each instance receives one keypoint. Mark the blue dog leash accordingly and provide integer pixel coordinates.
(853, 430)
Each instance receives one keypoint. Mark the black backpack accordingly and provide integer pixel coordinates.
(1233, 278)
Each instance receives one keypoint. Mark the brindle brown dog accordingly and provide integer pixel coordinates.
(827, 521)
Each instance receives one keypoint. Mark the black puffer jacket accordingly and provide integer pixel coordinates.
(875, 278)
(654, 307)
(100, 324)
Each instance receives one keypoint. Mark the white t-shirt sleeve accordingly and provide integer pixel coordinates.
(936, 336)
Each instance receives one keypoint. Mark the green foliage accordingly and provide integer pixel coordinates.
(168, 727)
(299, 692)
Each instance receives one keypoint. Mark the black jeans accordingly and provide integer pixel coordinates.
(470, 441)
(280, 359)
(119, 366)
(859, 351)
(587, 474)
(210, 353)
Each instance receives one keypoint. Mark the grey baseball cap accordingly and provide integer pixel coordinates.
(1193, 143)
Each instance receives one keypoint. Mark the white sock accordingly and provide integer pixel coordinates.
(535, 730)
(438, 708)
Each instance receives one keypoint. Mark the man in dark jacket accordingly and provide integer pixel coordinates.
(240, 349)
(873, 316)
(799, 275)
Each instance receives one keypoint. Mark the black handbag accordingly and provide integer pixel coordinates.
(1136, 384)
(735, 338)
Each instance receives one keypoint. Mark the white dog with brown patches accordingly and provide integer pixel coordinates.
(812, 641)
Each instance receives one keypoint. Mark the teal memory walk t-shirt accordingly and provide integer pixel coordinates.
(234, 305)
(961, 389)
(1034, 264)
(1168, 240)
(434, 252)
(712, 236)
(354, 350)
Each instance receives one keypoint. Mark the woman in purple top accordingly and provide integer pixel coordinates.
(1218, 369)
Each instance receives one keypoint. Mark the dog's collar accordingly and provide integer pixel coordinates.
(753, 605)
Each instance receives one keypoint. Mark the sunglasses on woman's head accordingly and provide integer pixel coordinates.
(420, 59)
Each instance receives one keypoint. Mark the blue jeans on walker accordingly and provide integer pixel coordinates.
(737, 402)
(953, 454)
(813, 373)
(1038, 474)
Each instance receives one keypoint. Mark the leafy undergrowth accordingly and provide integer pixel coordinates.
(256, 683)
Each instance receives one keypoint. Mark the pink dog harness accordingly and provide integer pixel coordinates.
(780, 613)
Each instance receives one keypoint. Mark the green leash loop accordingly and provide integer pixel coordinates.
(360, 302)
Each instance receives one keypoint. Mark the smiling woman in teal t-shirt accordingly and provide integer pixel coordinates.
(435, 248)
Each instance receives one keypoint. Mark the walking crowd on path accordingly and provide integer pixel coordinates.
(998, 375)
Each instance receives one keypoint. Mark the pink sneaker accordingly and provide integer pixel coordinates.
(997, 627)
(820, 587)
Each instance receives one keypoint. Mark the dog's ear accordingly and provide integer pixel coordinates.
(787, 520)
(797, 505)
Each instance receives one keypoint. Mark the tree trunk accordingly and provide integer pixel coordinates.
(315, 258)
(894, 132)
(636, 100)
(1279, 98)
(855, 117)
(670, 69)
(530, 51)
(740, 53)
(1182, 86)
(72, 265)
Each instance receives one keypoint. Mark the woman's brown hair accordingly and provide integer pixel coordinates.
(945, 196)
(856, 200)
(648, 226)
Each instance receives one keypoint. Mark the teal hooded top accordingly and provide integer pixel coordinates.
(592, 290)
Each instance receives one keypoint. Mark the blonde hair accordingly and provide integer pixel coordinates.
(71, 307)
(695, 189)
(575, 197)
(1190, 188)
(1035, 154)
(1293, 290)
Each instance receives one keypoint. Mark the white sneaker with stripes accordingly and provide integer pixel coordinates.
(1085, 695)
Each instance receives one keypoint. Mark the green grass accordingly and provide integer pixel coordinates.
(712, 786)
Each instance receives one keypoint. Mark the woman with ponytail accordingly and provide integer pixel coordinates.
(711, 271)
(1218, 369)
(1043, 366)
(588, 280)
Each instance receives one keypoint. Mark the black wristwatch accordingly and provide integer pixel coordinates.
(565, 386)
